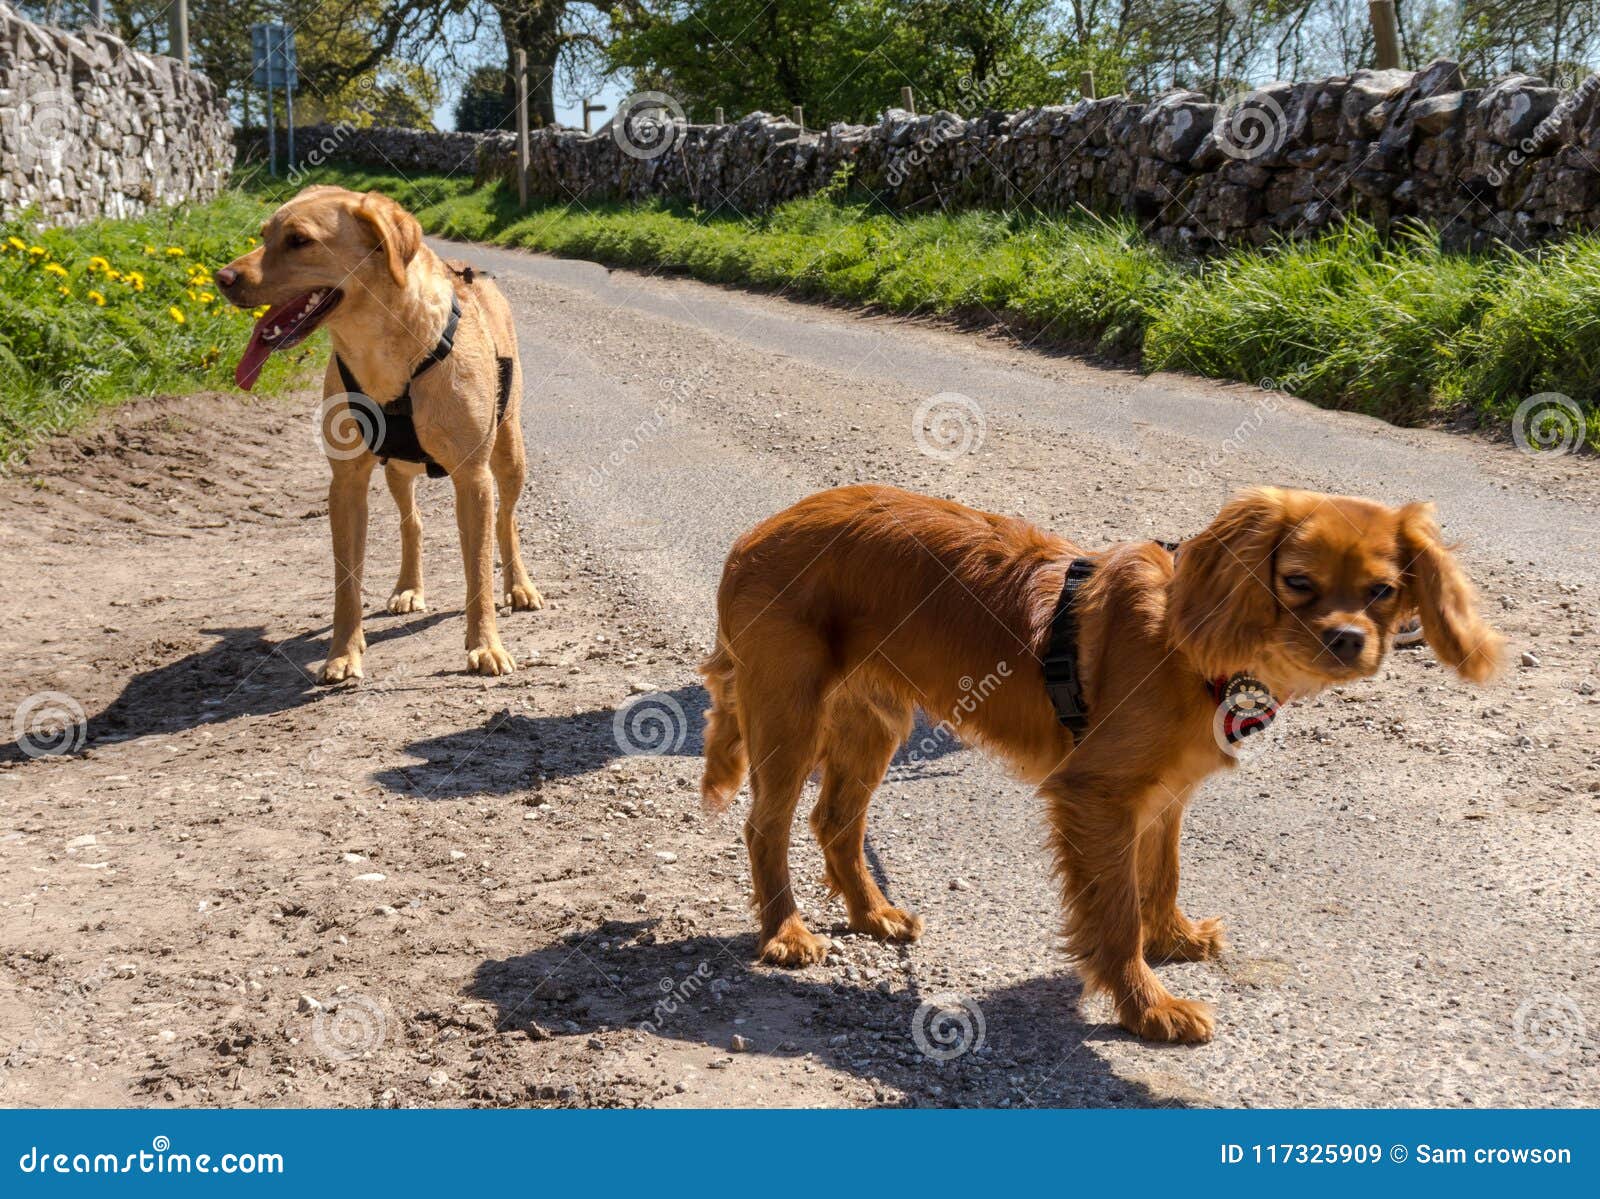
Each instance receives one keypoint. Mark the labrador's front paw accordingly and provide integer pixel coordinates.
(341, 667)
(490, 658)
(407, 599)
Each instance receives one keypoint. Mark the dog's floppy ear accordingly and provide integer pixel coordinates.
(399, 236)
(1222, 601)
(1444, 597)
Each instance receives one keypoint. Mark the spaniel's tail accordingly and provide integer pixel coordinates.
(727, 764)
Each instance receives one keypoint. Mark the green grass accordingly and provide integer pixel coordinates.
(98, 313)
(1396, 328)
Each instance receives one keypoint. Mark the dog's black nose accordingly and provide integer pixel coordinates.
(1345, 643)
(226, 277)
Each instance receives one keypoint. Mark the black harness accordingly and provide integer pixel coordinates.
(390, 430)
(1245, 705)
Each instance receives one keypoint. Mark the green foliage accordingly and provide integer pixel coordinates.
(1399, 329)
(485, 102)
(98, 313)
(1345, 321)
(839, 59)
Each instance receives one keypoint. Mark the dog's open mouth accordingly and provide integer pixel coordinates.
(284, 325)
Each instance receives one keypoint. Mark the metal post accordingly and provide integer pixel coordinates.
(908, 100)
(272, 134)
(719, 120)
(1086, 82)
(178, 30)
(97, 13)
(520, 70)
(799, 117)
(1385, 34)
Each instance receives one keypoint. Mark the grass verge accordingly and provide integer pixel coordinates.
(1395, 328)
(101, 312)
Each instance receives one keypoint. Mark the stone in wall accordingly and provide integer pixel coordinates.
(91, 128)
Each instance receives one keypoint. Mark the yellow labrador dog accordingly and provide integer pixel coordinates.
(424, 377)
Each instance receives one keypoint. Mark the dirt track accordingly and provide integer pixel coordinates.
(432, 888)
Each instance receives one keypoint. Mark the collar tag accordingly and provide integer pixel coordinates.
(1244, 706)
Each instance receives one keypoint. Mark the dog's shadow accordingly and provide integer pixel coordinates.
(500, 755)
(242, 673)
(1024, 1045)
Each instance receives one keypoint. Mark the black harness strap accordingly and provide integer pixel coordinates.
(1061, 678)
(389, 429)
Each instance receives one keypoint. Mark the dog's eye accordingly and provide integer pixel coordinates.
(1380, 592)
(297, 241)
(1297, 583)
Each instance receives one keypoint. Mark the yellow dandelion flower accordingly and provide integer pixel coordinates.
(16, 243)
(206, 297)
(149, 250)
(55, 268)
(175, 251)
(260, 312)
(98, 300)
(98, 263)
(38, 251)
(113, 274)
(134, 280)
(176, 314)
(66, 291)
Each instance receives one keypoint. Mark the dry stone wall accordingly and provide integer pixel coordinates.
(91, 128)
(1517, 161)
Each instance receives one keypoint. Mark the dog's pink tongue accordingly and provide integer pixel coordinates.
(258, 351)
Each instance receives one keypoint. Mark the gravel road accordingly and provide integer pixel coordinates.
(435, 889)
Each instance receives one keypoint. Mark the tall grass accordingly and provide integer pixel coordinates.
(95, 314)
(1347, 321)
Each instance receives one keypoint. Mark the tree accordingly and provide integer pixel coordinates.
(840, 59)
(483, 101)
(556, 35)
(338, 43)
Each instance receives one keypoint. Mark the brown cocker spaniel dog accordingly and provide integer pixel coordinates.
(842, 615)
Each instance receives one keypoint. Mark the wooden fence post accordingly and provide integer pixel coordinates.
(1385, 34)
(1086, 83)
(520, 68)
(178, 31)
(799, 117)
(908, 101)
